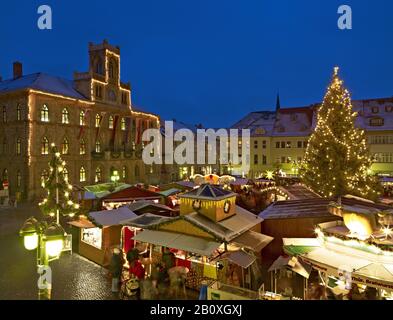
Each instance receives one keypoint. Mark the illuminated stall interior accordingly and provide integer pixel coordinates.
(355, 251)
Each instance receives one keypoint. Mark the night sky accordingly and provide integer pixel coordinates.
(210, 61)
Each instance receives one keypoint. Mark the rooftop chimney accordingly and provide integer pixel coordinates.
(18, 71)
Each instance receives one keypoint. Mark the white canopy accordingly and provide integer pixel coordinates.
(178, 241)
(107, 218)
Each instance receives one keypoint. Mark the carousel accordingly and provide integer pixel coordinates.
(352, 257)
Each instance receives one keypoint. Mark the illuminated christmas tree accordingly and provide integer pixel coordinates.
(337, 161)
(58, 202)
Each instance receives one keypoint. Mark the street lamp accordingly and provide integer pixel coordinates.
(49, 241)
(115, 176)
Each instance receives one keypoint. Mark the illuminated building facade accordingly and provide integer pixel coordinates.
(90, 119)
(279, 138)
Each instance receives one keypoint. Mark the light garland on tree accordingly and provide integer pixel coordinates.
(58, 189)
(337, 160)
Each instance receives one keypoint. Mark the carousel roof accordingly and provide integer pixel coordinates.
(208, 192)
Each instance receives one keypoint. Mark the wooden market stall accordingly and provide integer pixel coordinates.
(129, 195)
(212, 238)
(99, 233)
(356, 252)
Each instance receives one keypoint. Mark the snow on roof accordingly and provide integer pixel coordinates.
(146, 220)
(111, 217)
(42, 82)
(310, 208)
(229, 228)
(259, 123)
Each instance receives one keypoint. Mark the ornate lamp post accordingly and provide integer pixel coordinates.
(49, 241)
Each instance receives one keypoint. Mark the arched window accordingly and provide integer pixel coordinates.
(65, 146)
(98, 146)
(18, 179)
(98, 120)
(45, 113)
(110, 122)
(82, 120)
(44, 177)
(82, 174)
(4, 114)
(137, 171)
(82, 147)
(5, 175)
(98, 175)
(65, 173)
(18, 112)
(65, 117)
(18, 146)
(45, 146)
(124, 172)
(123, 124)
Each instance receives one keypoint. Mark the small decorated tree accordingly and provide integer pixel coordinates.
(58, 202)
(337, 160)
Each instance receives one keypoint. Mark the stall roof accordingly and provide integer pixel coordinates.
(103, 189)
(241, 258)
(311, 208)
(114, 217)
(132, 193)
(82, 223)
(292, 263)
(253, 240)
(178, 241)
(229, 228)
(138, 205)
(170, 192)
(146, 220)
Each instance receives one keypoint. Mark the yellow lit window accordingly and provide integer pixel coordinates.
(45, 113)
(82, 174)
(65, 116)
(44, 146)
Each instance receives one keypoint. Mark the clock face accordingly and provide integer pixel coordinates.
(227, 206)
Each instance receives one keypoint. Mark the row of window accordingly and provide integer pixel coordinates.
(18, 177)
(285, 159)
(256, 144)
(98, 177)
(387, 109)
(384, 157)
(18, 113)
(288, 144)
(256, 159)
(380, 140)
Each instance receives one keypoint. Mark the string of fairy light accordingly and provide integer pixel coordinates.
(335, 134)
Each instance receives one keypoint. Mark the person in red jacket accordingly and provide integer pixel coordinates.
(137, 269)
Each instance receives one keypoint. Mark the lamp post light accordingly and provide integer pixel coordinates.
(49, 242)
(115, 176)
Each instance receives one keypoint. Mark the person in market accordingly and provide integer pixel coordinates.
(135, 266)
(168, 261)
(115, 268)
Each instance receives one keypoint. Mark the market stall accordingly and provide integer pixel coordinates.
(355, 252)
(99, 233)
(210, 235)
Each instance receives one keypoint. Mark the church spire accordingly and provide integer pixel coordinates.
(278, 106)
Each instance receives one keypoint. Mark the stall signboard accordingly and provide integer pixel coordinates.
(354, 277)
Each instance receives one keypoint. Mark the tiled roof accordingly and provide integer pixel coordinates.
(42, 82)
(310, 208)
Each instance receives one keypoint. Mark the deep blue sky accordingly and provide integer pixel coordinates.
(210, 61)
